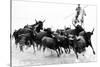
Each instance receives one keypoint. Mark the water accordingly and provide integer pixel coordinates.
(29, 58)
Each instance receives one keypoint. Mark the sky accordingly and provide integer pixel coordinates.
(56, 15)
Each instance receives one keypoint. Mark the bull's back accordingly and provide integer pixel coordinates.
(48, 42)
(40, 35)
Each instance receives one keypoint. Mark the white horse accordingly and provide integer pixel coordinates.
(80, 18)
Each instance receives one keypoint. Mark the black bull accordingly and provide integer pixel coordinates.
(55, 44)
(80, 44)
(25, 35)
(50, 43)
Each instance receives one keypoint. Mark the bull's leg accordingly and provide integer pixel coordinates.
(29, 43)
(21, 48)
(44, 49)
(57, 53)
(92, 49)
(76, 60)
(75, 53)
(51, 52)
(26, 47)
(68, 50)
(83, 55)
(40, 47)
(34, 48)
(60, 50)
(37, 46)
(16, 45)
(16, 42)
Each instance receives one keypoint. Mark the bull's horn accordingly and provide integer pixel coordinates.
(73, 24)
(93, 30)
(35, 20)
(43, 20)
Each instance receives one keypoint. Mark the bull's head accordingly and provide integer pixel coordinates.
(88, 35)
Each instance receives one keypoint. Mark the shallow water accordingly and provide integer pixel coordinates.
(28, 58)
